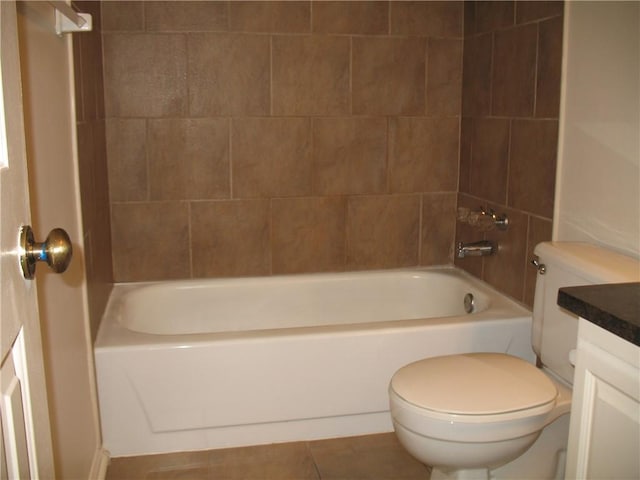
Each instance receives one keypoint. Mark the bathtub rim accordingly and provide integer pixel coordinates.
(112, 335)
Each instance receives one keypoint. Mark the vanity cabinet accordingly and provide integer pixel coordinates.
(604, 434)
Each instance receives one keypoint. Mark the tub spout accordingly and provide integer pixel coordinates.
(476, 249)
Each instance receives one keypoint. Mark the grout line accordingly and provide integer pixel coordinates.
(535, 73)
(146, 159)
(190, 239)
(187, 43)
(271, 75)
(230, 154)
(493, 47)
(428, 47)
(312, 153)
(523, 294)
(228, 14)
(459, 153)
(506, 193)
(346, 232)
(420, 226)
(351, 75)
(313, 460)
(472, 134)
(387, 156)
(270, 236)
(144, 18)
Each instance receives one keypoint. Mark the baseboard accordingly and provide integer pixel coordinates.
(99, 465)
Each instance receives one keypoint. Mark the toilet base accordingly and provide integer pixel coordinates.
(544, 460)
(475, 474)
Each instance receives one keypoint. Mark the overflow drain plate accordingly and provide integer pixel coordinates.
(469, 303)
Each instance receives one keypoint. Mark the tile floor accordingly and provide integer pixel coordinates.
(368, 457)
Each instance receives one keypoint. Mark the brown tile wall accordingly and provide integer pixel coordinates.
(257, 138)
(509, 133)
(92, 163)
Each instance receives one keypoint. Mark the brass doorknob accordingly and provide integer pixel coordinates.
(56, 251)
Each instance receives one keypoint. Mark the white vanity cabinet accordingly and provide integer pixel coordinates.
(604, 436)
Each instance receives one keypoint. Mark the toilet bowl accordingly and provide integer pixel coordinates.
(466, 414)
(480, 415)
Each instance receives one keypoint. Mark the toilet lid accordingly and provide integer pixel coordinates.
(473, 384)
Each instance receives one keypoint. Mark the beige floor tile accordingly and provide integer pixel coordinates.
(188, 473)
(368, 457)
(135, 468)
(268, 462)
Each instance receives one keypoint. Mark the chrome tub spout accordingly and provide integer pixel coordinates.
(476, 249)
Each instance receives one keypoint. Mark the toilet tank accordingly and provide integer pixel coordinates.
(568, 264)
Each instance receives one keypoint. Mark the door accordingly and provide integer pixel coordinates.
(25, 439)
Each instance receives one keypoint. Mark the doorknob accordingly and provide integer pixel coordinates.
(56, 251)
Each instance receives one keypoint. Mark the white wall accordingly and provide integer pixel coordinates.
(598, 184)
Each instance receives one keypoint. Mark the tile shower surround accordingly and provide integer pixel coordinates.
(257, 138)
(92, 164)
(509, 133)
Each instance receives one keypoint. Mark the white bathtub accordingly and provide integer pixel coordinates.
(194, 365)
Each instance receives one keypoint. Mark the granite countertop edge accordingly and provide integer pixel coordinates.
(614, 307)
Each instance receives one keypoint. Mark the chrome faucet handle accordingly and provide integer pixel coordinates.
(485, 219)
(501, 221)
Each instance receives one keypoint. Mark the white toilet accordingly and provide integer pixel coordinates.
(473, 416)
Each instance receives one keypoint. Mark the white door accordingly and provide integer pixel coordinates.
(25, 433)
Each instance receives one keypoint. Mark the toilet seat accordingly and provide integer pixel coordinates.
(476, 397)
(477, 387)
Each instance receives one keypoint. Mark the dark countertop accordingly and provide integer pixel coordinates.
(614, 307)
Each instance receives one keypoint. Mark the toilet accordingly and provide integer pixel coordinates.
(493, 415)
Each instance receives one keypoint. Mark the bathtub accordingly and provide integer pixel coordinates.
(193, 365)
